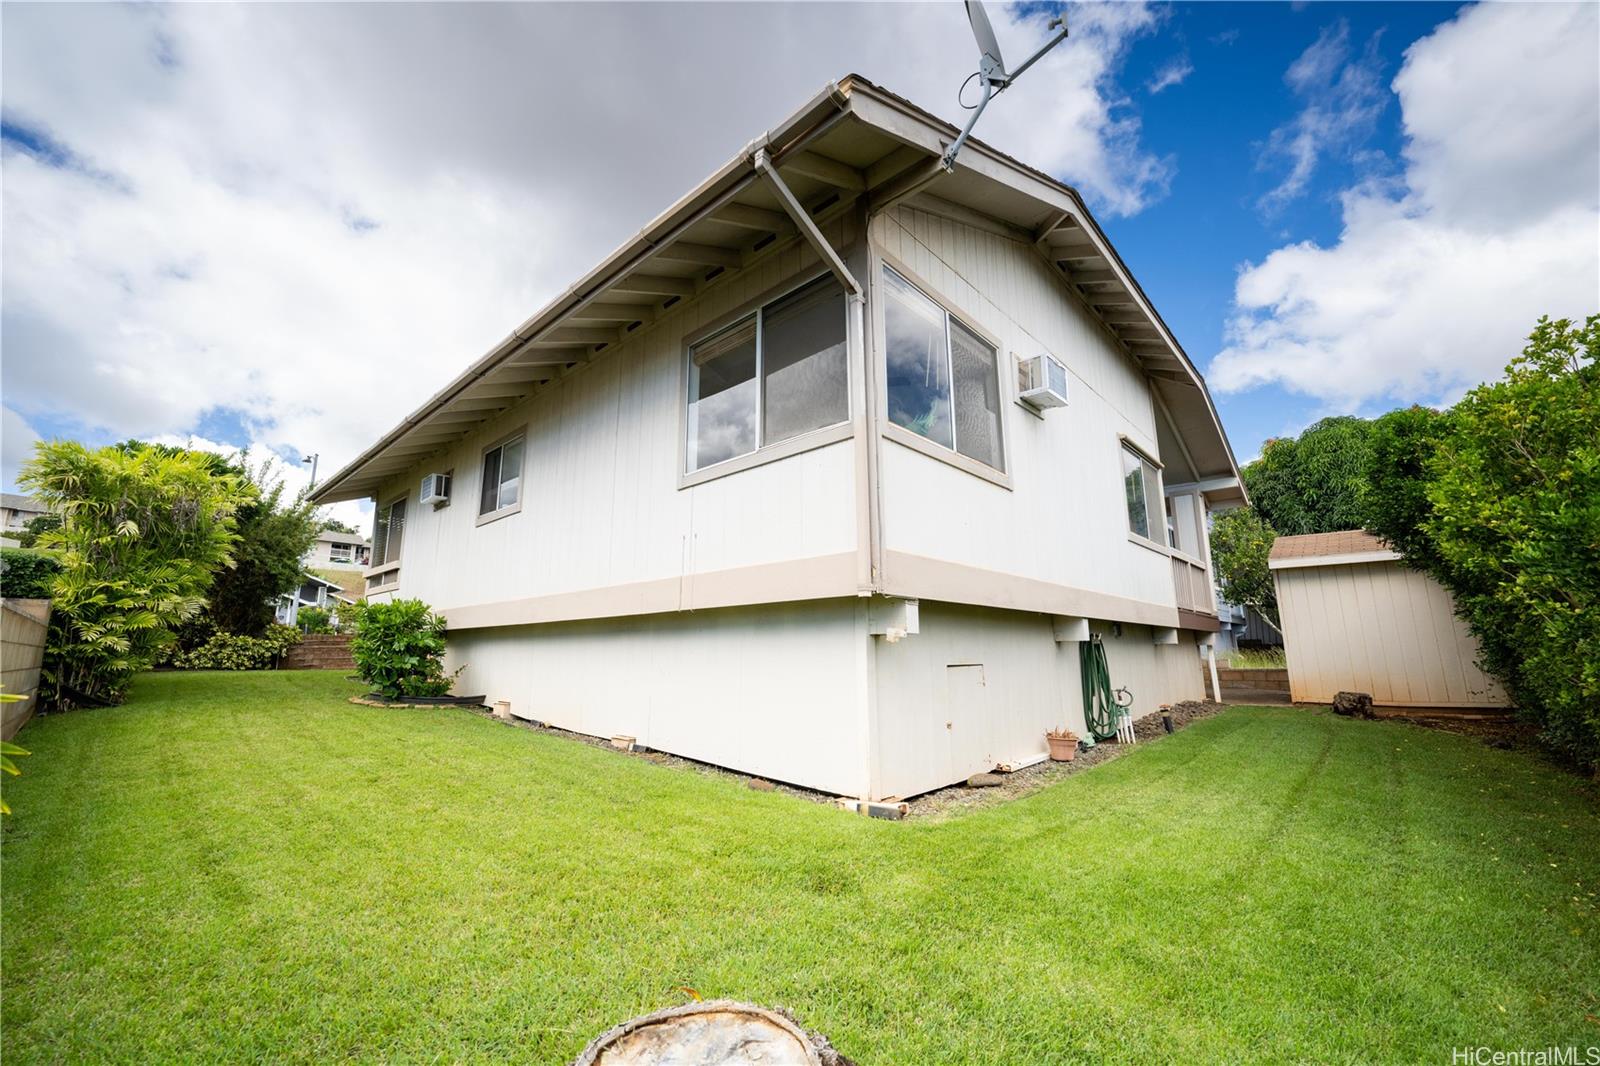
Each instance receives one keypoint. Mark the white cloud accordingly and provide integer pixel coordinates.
(312, 216)
(1432, 286)
(1342, 102)
(296, 477)
(1171, 73)
(17, 439)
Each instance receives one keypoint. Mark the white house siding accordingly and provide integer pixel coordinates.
(777, 690)
(601, 505)
(978, 687)
(1382, 629)
(1064, 521)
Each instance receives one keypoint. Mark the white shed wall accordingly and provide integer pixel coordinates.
(601, 503)
(1383, 629)
(939, 722)
(1065, 519)
(777, 691)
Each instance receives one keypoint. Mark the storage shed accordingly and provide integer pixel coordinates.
(1356, 619)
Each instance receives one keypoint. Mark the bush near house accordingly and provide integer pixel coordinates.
(314, 620)
(399, 649)
(1499, 500)
(27, 575)
(234, 651)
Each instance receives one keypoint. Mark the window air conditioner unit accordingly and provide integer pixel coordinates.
(1042, 382)
(436, 489)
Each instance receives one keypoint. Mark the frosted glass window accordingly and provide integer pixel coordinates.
(804, 376)
(977, 396)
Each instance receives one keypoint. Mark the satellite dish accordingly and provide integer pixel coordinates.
(992, 68)
(991, 64)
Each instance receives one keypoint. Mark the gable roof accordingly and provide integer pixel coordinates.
(334, 536)
(852, 142)
(16, 501)
(1329, 549)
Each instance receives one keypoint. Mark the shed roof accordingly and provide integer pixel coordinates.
(1329, 549)
(851, 143)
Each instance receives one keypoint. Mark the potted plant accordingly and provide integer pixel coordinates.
(1063, 744)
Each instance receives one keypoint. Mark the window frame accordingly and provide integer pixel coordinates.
(1127, 445)
(387, 563)
(916, 441)
(485, 517)
(349, 552)
(762, 454)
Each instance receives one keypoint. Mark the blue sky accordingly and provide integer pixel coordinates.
(1187, 247)
(283, 226)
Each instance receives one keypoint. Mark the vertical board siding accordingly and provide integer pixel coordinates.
(1030, 684)
(601, 503)
(1382, 629)
(1065, 518)
(771, 690)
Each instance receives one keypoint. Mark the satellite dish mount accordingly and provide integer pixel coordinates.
(992, 69)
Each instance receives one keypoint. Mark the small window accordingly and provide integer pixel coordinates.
(388, 532)
(771, 376)
(501, 487)
(1141, 484)
(943, 379)
(341, 553)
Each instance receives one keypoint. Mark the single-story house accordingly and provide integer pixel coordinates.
(825, 475)
(339, 551)
(1357, 619)
(314, 591)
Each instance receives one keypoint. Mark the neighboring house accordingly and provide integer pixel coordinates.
(314, 591)
(17, 510)
(767, 488)
(1356, 619)
(339, 551)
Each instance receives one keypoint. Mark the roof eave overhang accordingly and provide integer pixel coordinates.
(1111, 293)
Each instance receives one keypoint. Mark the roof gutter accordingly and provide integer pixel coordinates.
(733, 177)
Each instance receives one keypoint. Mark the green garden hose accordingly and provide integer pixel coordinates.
(1100, 708)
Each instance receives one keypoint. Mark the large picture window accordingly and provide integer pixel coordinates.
(943, 379)
(500, 490)
(773, 375)
(1141, 484)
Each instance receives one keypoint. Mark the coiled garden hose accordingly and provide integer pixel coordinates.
(1100, 708)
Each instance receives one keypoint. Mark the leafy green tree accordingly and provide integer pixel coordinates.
(1514, 489)
(28, 536)
(275, 532)
(1396, 496)
(1313, 483)
(333, 525)
(1240, 542)
(143, 531)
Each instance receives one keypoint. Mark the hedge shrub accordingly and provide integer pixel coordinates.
(399, 650)
(231, 651)
(26, 574)
(314, 620)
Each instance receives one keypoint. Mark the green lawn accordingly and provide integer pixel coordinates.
(247, 867)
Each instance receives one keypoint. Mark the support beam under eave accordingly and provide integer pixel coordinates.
(808, 228)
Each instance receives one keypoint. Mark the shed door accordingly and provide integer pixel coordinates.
(966, 721)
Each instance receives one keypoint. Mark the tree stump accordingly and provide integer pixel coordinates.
(720, 1032)
(1353, 704)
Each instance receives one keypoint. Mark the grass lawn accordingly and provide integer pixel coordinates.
(247, 867)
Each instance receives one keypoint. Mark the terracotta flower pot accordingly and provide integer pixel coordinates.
(1063, 748)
